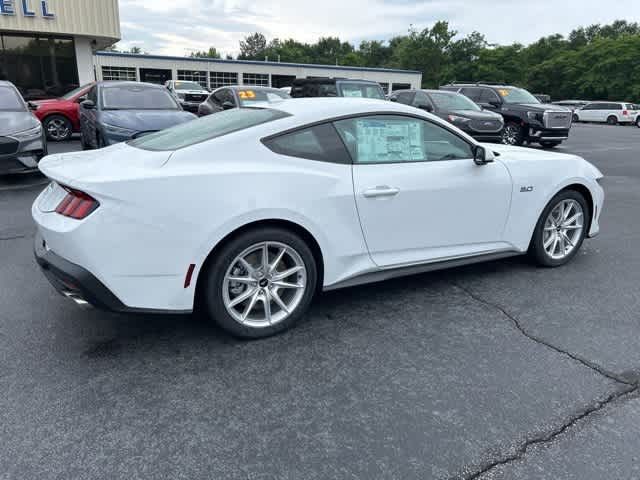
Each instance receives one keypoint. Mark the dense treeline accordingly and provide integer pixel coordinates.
(596, 62)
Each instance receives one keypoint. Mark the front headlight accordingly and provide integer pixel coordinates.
(535, 116)
(118, 130)
(181, 96)
(28, 134)
(457, 119)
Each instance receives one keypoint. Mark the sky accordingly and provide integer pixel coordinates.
(179, 27)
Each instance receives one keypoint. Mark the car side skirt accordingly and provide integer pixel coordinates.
(406, 270)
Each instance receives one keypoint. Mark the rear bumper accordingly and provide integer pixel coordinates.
(80, 285)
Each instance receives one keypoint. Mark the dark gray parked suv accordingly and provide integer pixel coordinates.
(483, 125)
(22, 138)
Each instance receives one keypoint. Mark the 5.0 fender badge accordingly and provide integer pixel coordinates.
(526, 189)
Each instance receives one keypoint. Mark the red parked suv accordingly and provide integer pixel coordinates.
(61, 116)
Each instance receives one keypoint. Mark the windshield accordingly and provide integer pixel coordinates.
(137, 97)
(10, 101)
(251, 97)
(516, 95)
(206, 128)
(188, 86)
(453, 101)
(74, 92)
(361, 90)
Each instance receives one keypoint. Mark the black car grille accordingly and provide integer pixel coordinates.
(8, 146)
(195, 98)
(486, 125)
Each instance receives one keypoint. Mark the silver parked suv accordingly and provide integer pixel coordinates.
(189, 94)
(22, 138)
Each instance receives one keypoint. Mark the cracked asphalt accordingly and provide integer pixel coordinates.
(493, 371)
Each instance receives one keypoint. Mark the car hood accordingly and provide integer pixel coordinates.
(474, 115)
(14, 122)
(50, 101)
(145, 120)
(537, 107)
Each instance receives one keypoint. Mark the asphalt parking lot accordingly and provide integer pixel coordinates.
(495, 371)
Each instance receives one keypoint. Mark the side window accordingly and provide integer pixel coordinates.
(399, 139)
(590, 106)
(422, 100)
(472, 93)
(404, 97)
(315, 143)
(488, 96)
(222, 96)
(615, 106)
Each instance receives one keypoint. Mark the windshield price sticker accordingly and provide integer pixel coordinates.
(382, 141)
(247, 94)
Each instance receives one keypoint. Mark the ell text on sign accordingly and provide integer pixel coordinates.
(26, 8)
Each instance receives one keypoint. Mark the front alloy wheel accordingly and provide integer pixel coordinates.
(58, 128)
(561, 229)
(512, 135)
(260, 283)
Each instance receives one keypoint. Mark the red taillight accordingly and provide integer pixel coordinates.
(625, 112)
(77, 204)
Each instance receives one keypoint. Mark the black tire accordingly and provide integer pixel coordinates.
(612, 120)
(536, 248)
(512, 134)
(550, 144)
(83, 142)
(213, 280)
(63, 131)
(100, 143)
(638, 121)
(576, 118)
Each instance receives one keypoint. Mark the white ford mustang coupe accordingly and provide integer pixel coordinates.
(246, 214)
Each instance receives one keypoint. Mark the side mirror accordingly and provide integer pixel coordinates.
(81, 99)
(393, 99)
(88, 105)
(32, 106)
(426, 108)
(482, 156)
(228, 105)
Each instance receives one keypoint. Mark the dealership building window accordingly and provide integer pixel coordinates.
(40, 66)
(119, 73)
(194, 76)
(222, 79)
(259, 79)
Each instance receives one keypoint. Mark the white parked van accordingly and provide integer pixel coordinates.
(607, 112)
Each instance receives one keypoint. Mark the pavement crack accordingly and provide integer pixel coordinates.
(587, 363)
(549, 436)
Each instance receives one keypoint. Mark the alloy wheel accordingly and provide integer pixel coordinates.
(563, 229)
(264, 284)
(510, 135)
(58, 129)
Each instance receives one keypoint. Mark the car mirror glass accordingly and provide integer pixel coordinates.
(88, 105)
(32, 106)
(482, 156)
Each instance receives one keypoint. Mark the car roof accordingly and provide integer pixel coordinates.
(112, 83)
(306, 111)
(6, 83)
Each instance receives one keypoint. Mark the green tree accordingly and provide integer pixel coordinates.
(211, 53)
(253, 47)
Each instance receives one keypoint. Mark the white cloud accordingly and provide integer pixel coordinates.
(179, 27)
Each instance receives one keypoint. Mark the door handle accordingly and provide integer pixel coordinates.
(381, 191)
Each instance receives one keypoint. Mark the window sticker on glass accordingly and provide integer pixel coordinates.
(389, 141)
(504, 92)
(246, 94)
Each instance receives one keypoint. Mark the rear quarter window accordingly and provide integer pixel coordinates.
(320, 142)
